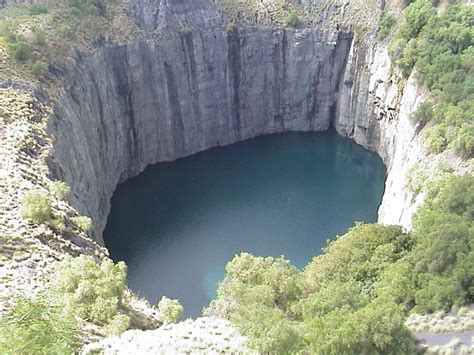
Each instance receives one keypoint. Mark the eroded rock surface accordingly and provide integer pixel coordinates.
(203, 335)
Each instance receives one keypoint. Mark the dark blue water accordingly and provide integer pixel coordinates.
(178, 223)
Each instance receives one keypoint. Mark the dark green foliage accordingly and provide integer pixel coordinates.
(439, 47)
(39, 68)
(386, 24)
(445, 238)
(423, 114)
(86, 7)
(37, 9)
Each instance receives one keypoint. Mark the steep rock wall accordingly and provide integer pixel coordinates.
(157, 100)
(199, 85)
(374, 109)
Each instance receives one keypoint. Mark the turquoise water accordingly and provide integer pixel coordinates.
(178, 223)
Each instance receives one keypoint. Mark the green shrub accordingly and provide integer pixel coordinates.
(83, 222)
(118, 324)
(59, 189)
(36, 208)
(39, 68)
(49, 324)
(65, 31)
(415, 179)
(386, 24)
(38, 326)
(423, 114)
(292, 19)
(435, 138)
(8, 30)
(170, 310)
(463, 144)
(38, 37)
(37, 9)
(85, 7)
(94, 291)
(270, 332)
(21, 51)
(373, 329)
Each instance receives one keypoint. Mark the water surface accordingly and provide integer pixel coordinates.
(178, 223)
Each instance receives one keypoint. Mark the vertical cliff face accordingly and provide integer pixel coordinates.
(200, 84)
(374, 110)
(156, 100)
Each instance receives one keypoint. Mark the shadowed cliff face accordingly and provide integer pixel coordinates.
(129, 106)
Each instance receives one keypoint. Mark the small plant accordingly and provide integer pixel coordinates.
(36, 208)
(8, 30)
(171, 310)
(39, 68)
(38, 37)
(37, 9)
(59, 189)
(292, 19)
(416, 179)
(21, 51)
(386, 24)
(65, 31)
(83, 222)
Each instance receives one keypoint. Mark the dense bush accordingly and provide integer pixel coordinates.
(37, 9)
(39, 68)
(355, 296)
(21, 50)
(38, 326)
(439, 47)
(423, 114)
(171, 310)
(95, 291)
(49, 322)
(386, 24)
(36, 208)
(86, 7)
